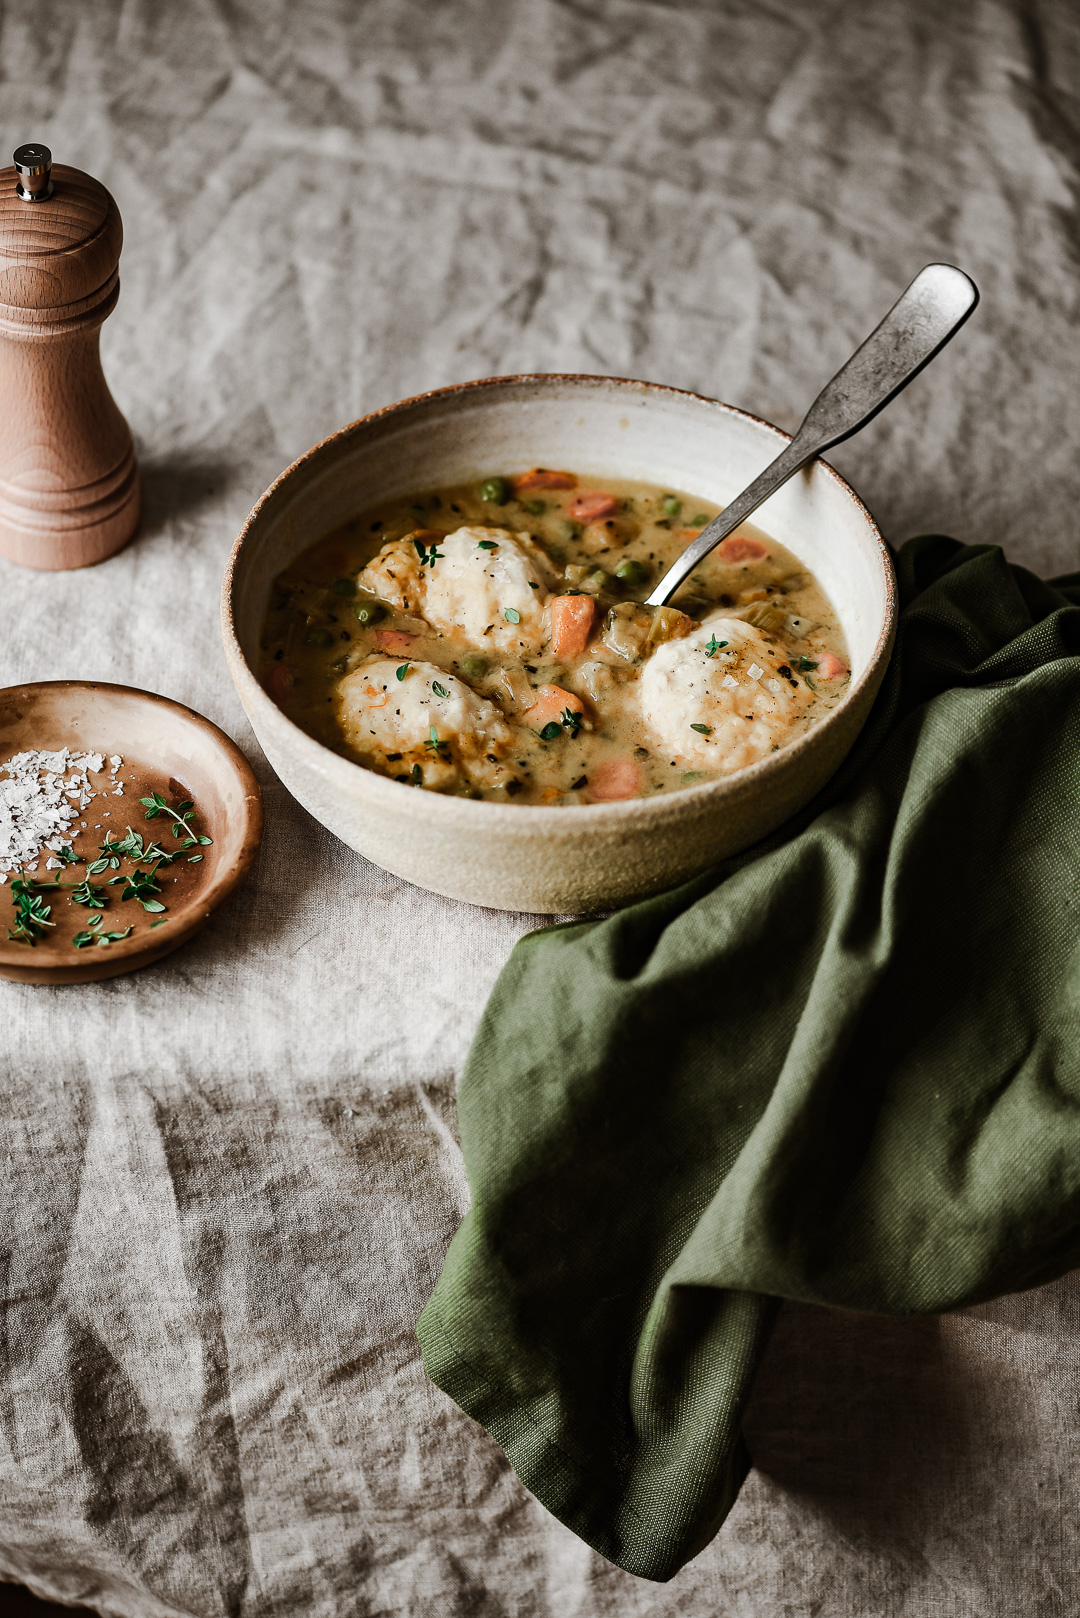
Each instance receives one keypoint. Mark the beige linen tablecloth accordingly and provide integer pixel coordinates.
(229, 1181)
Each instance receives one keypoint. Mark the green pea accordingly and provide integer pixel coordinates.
(369, 612)
(474, 665)
(344, 587)
(319, 637)
(672, 505)
(701, 519)
(535, 508)
(595, 581)
(632, 572)
(569, 530)
(495, 491)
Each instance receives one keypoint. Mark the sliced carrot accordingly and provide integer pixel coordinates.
(614, 779)
(572, 619)
(740, 549)
(551, 702)
(541, 478)
(830, 667)
(279, 682)
(592, 505)
(394, 640)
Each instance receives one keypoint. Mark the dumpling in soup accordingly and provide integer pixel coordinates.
(485, 585)
(723, 697)
(428, 721)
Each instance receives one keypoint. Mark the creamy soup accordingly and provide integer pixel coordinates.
(489, 640)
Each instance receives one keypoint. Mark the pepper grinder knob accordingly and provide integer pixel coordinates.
(33, 165)
(69, 485)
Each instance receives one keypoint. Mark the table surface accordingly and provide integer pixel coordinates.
(230, 1180)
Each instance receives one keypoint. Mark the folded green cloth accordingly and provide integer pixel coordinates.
(842, 1067)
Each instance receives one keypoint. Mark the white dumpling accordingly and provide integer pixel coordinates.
(737, 693)
(390, 722)
(481, 575)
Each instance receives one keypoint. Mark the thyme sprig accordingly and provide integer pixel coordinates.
(31, 912)
(568, 720)
(95, 934)
(181, 816)
(428, 554)
(141, 885)
(132, 847)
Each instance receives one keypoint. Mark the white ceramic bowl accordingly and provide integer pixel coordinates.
(599, 855)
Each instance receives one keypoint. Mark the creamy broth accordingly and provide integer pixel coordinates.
(488, 640)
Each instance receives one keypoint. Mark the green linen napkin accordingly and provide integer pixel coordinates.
(843, 1067)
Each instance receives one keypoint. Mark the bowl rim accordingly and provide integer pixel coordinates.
(144, 947)
(437, 807)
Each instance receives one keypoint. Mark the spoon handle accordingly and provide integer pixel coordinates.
(917, 327)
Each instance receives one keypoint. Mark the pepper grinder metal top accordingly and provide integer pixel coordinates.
(33, 165)
(69, 486)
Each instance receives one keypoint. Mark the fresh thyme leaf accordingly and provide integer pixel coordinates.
(142, 885)
(551, 731)
(87, 894)
(428, 554)
(402, 671)
(512, 615)
(570, 721)
(31, 912)
(486, 545)
(805, 663)
(97, 867)
(95, 922)
(433, 744)
(705, 730)
(160, 921)
(181, 817)
(82, 939)
(69, 856)
(416, 775)
(193, 859)
(439, 690)
(715, 646)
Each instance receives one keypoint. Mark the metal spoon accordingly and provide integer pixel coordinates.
(917, 327)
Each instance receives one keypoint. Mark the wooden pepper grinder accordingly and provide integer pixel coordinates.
(69, 486)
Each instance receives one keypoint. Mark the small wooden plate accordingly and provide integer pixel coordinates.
(165, 748)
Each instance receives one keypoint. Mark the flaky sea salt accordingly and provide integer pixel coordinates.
(40, 800)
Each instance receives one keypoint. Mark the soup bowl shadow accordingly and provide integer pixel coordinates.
(589, 857)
